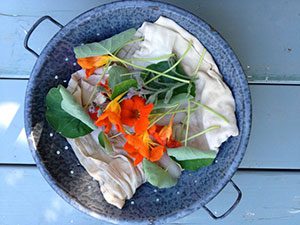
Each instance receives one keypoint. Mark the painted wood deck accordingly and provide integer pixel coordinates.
(264, 34)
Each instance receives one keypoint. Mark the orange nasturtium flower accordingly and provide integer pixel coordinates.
(163, 135)
(135, 113)
(111, 116)
(90, 64)
(140, 146)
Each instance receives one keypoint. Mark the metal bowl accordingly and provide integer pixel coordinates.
(54, 66)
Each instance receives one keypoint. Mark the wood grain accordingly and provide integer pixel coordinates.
(274, 140)
(26, 199)
(264, 35)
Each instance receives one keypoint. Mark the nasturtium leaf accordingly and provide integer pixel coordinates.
(177, 99)
(106, 46)
(61, 121)
(115, 77)
(195, 164)
(123, 87)
(152, 98)
(164, 82)
(157, 176)
(191, 158)
(168, 95)
(70, 105)
(105, 143)
(187, 153)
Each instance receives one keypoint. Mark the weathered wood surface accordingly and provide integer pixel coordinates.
(264, 34)
(274, 140)
(271, 198)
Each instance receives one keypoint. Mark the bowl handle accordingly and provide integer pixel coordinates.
(234, 205)
(34, 26)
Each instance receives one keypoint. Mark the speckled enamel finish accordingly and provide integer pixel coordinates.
(60, 166)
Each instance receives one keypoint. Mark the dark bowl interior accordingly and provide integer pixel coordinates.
(63, 171)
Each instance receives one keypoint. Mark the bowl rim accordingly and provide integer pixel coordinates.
(246, 127)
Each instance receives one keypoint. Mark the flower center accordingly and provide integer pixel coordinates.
(136, 114)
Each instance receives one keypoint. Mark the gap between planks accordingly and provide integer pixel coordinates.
(19, 165)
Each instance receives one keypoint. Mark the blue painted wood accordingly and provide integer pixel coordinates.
(275, 137)
(26, 199)
(14, 147)
(248, 26)
(273, 143)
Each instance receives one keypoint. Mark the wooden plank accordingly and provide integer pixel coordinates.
(273, 143)
(26, 199)
(274, 139)
(248, 26)
(14, 147)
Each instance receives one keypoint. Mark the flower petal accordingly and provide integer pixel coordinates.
(141, 125)
(127, 118)
(156, 153)
(139, 158)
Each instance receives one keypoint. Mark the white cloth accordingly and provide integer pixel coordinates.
(165, 37)
(117, 176)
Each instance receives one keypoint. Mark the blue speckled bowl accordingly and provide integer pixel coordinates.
(64, 173)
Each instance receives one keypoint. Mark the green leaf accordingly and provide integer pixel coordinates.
(168, 96)
(123, 87)
(157, 176)
(106, 46)
(191, 158)
(115, 77)
(177, 99)
(163, 82)
(195, 164)
(187, 153)
(61, 121)
(152, 98)
(70, 105)
(105, 143)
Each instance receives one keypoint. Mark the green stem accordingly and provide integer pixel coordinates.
(128, 74)
(203, 132)
(127, 43)
(162, 116)
(212, 111)
(182, 126)
(177, 111)
(200, 61)
(174, 66)
(95, 87)
(151, 59)
(180, 59)
(188, 123)
(116, 135)
(147, 69)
